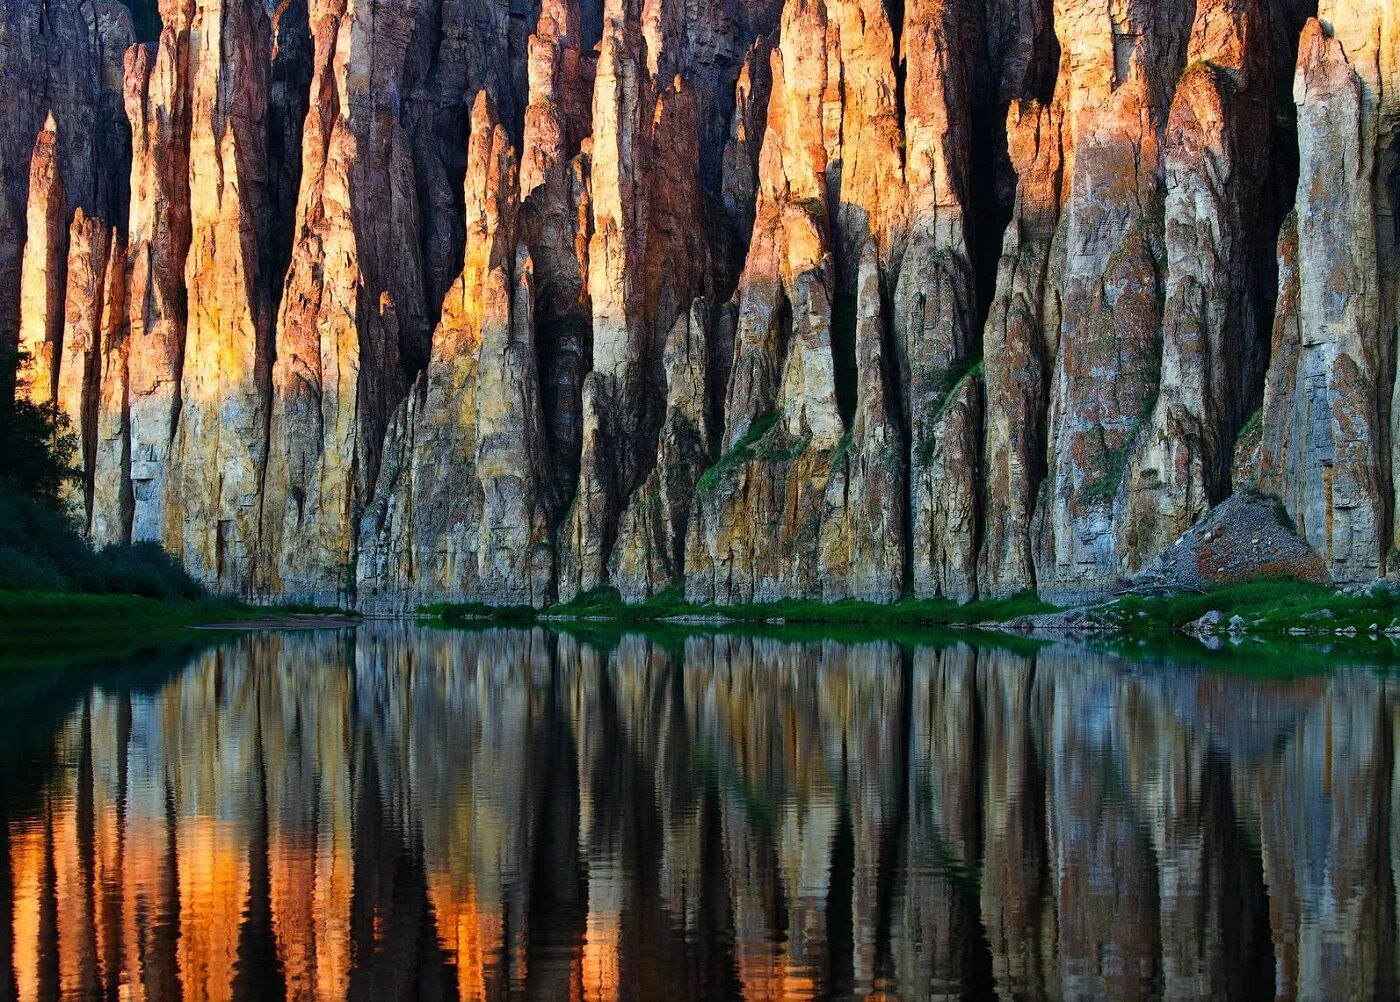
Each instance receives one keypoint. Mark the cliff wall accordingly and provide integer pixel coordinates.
(507, 300)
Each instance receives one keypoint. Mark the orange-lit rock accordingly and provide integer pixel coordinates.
(44, 272)
(335, 364)
(934, 309)
(648, 258)
(91, 245)
(558, 221)
(1117, 72)
(111, 505)
(462, 503)
(215, 485)
(353, 295)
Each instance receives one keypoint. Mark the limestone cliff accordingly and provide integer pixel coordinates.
(384, 304)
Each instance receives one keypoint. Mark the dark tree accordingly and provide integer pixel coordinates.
(37, 446)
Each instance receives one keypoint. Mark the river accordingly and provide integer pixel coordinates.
(399, 812)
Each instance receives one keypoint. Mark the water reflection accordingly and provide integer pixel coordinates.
(402, 813)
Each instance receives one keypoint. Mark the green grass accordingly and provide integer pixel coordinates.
(462, 612)
(607, 605)
(1269, 607)
(45, 629)
(36, 612)
(53, 585)
(1251, 424)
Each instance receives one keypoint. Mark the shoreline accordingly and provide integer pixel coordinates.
(1267, 609)
(37, 613)
(1264, 608)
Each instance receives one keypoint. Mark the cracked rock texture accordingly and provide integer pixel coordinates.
(511, 300)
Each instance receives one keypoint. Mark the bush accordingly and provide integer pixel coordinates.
(144, 569)
(37, 446)
(41, 551)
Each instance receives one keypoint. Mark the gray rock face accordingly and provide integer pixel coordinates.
(460, 508)
(649, 557)
(157, 105)
(353, 299)
(63, 60)
(385, 304)
(1325, 445)
(863, 552)
(1214, 347)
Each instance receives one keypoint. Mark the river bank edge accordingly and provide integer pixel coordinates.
(1266, 608)
(1269, 608)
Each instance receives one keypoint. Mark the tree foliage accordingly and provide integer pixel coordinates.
(38, 448)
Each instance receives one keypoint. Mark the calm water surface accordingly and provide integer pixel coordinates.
(401, 813)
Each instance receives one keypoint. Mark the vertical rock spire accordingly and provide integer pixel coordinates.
(91, 244)
(157, 104)
(44, 269)
(863, 540)
(1019, 343)
(649, 556)
(649, 256)
(353, 296)
(515, 560)
(61, 59)
(934, 305)
(215, 492)
(558, 221)
(112, 502)
(462, 504)
(1324, 440)
(739, 185)
(615, 404)
(1214, 345)
(755, 529)
(1118, 67)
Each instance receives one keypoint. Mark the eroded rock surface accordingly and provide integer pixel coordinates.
(388, 304)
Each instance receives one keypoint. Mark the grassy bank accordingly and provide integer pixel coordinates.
(42, 552)
(1269, 608)
(605, 604)
(1272, 608)
(53, 585)
(49, 610)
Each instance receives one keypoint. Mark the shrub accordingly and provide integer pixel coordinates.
(37, 446)
(41, 551)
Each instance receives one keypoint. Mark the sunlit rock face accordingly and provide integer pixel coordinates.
(817, 298)
(219, 452)
(1216, 294)
(461, 504)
